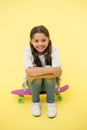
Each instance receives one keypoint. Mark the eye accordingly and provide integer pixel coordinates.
(36, 40)
(43, 40)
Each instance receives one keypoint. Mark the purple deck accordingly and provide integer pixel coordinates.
(28, 92)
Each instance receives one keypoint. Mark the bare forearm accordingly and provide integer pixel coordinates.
(37, 71)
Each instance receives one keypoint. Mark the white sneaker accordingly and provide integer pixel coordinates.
(51, 110)
(36, 109)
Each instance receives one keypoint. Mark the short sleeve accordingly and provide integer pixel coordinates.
(28, 58)
(55, 58)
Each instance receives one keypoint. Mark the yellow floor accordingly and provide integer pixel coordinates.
(67, 23)
(71, 112)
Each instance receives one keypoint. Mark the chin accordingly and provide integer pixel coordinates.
(41, 51)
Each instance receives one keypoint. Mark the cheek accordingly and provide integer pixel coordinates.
(33, 44)
(47, 44)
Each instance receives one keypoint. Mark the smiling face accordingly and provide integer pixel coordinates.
(40, 42)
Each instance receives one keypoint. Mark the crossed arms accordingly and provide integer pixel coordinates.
(42, 72)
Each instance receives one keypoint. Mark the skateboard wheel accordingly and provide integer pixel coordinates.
(20, 99)
(59, 97)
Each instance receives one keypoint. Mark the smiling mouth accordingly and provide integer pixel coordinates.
(40, 48)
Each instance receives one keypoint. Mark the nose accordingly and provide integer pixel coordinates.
(40, 43)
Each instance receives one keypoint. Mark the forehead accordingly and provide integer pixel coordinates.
(39, 36)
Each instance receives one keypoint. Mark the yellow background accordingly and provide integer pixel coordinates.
(67, 24)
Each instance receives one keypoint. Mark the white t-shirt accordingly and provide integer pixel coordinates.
(29, 60)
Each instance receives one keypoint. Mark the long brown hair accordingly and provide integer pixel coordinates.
(47, 52)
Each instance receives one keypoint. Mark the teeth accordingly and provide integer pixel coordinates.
(40, 48)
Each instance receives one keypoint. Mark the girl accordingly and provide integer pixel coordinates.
(42, 67)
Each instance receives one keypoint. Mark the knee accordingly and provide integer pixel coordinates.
(37, 81)
(50, 80)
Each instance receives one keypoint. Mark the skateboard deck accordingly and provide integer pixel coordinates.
(22, 92)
